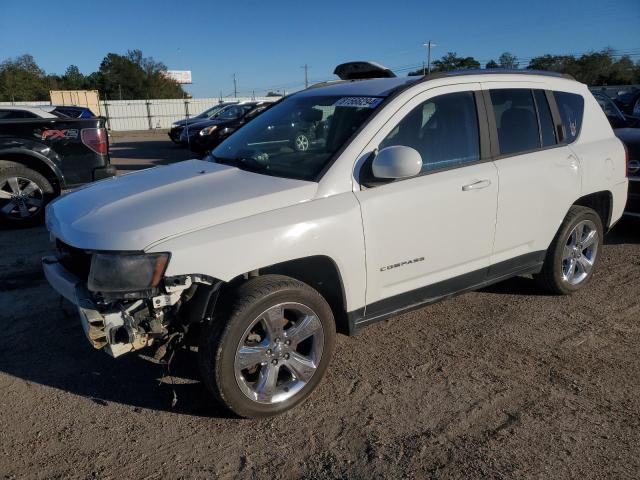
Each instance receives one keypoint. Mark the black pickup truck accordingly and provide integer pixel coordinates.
(41, 157)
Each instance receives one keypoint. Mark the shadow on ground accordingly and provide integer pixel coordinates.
(138, 155)
(43, 341)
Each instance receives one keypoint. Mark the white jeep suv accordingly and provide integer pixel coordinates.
(416, 189)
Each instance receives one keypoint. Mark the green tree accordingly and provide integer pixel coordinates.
(133, 76)
(73, 79)
(508, 60)
(451, 61)
(21, 79)
(492, 64)
(594, 68)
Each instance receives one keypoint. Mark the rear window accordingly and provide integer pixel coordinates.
(571, 107)
(516, 120)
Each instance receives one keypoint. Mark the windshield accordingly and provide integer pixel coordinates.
(211, 111)
(296, 137)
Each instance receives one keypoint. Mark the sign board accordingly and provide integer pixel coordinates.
(180, 76)
(80, 98)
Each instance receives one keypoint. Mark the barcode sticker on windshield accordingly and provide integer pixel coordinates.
(358, 102)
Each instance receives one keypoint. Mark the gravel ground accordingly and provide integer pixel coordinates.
(501, 383)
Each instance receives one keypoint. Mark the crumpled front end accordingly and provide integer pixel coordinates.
(120, 322)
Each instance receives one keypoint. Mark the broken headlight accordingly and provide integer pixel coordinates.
(126, 272)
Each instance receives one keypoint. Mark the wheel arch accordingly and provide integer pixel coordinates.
(38, 163)
(318, 271)
(601, 202)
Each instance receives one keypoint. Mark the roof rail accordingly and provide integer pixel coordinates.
(498, 71)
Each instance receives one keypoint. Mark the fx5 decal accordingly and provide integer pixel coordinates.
(402, 264)
(53, 134)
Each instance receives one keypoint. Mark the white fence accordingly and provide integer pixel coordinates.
(123, 115)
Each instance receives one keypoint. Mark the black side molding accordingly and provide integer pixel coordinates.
(408, 301)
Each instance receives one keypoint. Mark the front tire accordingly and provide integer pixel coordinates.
(24, 194)
(268, 348)
(572, 256)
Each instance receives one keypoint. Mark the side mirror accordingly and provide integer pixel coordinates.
(397, 162)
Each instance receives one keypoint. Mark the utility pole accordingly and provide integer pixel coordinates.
(120, 90)
(428, 46)
(235, 87)
(306, 77)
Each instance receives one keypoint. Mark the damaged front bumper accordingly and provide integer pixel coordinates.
(110, 330)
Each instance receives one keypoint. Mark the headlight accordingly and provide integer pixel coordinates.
(126, 272)
(226, 131)
(208, 130)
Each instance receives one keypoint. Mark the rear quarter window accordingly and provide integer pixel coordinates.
(571, 107)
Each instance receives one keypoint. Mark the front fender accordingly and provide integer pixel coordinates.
(330, 226)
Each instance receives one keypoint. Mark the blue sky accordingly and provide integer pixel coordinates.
(266, 42)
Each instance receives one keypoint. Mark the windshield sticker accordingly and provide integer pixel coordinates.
(358, 102)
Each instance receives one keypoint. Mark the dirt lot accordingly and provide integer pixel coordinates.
(501, 383)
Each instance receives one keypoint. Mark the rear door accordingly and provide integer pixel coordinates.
(539, 174)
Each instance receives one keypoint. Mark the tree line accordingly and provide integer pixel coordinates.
(128, 77)
(594, 68)
(133, 76)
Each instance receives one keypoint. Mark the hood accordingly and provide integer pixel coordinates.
(207, 123)
(133, 211)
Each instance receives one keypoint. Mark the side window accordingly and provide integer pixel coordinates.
(16, 114)
(516, 120)
(547, 129)
(443, 129)
(571, 107)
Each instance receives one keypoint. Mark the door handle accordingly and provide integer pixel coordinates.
(476, 185)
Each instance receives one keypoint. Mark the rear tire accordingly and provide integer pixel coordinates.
(24, 194)
(573, 254)
(268, 347)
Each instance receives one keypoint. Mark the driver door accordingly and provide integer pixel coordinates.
(432, 234)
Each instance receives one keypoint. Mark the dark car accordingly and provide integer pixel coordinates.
(42, 157)
(206, 137)
(629, 101)
(304, 130)
(627, 129)
(72, 111)
(616, 118)
(177, 127)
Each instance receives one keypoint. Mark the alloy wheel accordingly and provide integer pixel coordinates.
(302, 143)
(279, 353)
(20, 198)
(579, 254)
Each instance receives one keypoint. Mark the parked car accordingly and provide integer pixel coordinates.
(44, 111)
(41, 157)
(21, 111)
(205, 139)
(616, 118)
(177, 127)
(229, 114)
(629, 101)
(627, 129)
(425, 187)
(73, 111)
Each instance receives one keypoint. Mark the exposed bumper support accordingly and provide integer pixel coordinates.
(98, 327)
